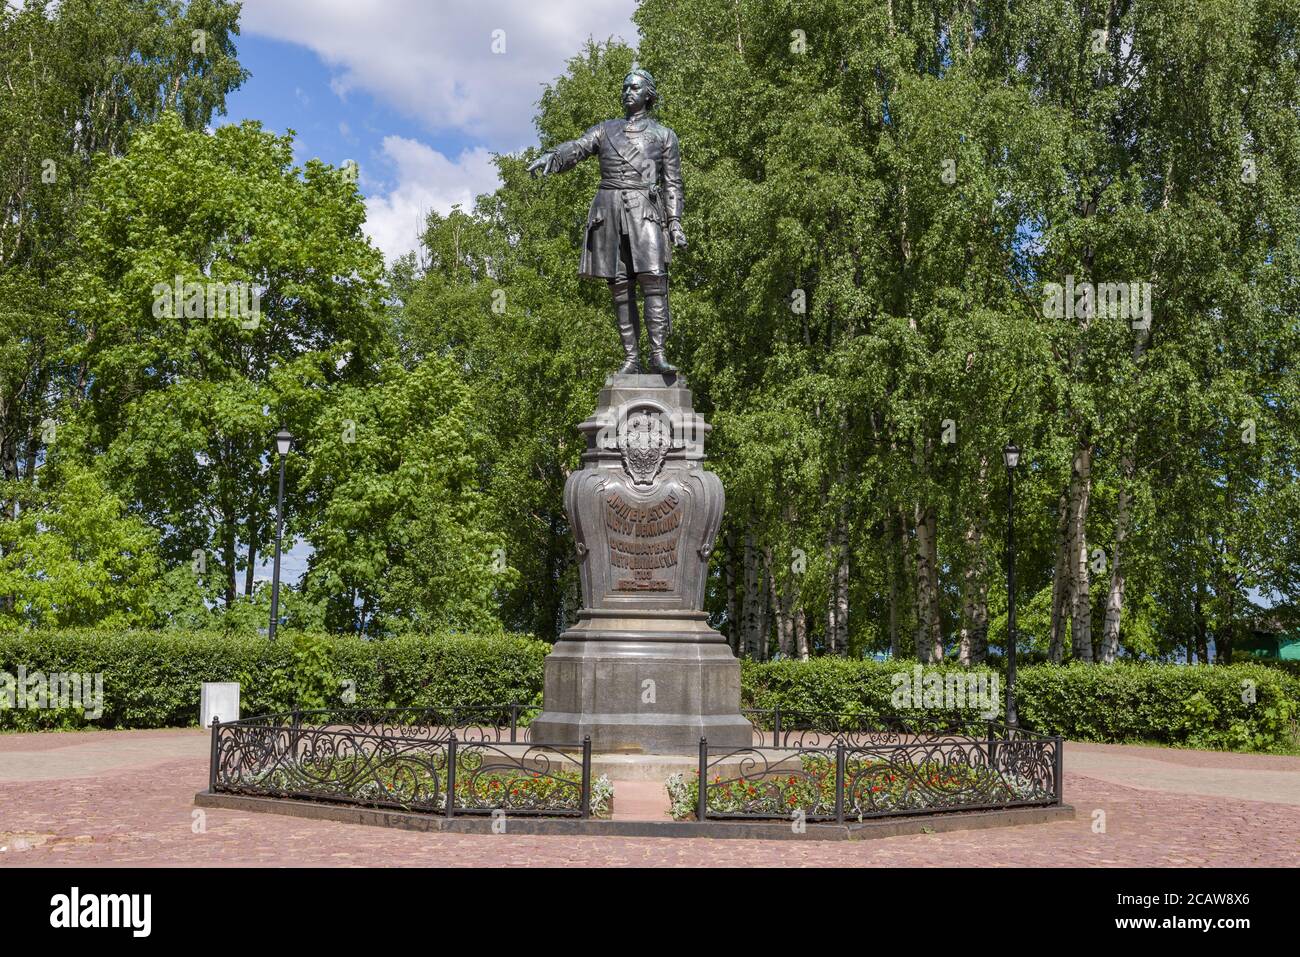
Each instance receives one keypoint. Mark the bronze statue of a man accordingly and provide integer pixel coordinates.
(635, 219)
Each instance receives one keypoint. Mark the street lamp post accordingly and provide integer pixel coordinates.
(283, 442)
(1011, 456)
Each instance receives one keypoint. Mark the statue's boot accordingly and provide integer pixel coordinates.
(629, 325)
(654, 291)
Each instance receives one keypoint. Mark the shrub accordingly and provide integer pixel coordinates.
(152, 679)
(1239, 707)
(847, 686)
(1197, 706)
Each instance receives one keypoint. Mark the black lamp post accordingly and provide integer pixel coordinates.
(283, 442)
(1011, 456)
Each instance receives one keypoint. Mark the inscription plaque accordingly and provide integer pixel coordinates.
(643, 542)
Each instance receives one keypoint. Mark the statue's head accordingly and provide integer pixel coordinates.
(639, 91)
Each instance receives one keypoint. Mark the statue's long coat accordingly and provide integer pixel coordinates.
(640, 194)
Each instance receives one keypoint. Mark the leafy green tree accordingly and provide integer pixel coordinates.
(400, 533)
(878, 197)
(79, 76)
(75, 556)
(279, 303)
(885, 202)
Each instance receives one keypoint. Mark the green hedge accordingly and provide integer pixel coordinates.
(1198, 706)
(152, 679)
(845, 686)
(1292, 668)
(1191, 706)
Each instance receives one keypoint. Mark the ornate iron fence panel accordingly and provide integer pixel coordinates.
(330, 763)
(880, 772)
(763, 782)
(953, 773)
(411, 759)
(538, 780)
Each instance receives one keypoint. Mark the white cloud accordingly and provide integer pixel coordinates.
(435, 61)
(425, 180)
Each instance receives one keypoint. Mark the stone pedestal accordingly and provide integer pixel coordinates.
(641, 670)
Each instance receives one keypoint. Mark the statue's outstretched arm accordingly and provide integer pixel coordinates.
(568, 154)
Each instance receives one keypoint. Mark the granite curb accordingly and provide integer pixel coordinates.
(750, 830)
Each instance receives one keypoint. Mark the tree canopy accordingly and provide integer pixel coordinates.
(919, 231)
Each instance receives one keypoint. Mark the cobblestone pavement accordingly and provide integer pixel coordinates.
(137, 810)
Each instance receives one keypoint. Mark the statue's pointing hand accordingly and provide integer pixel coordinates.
(542, 164)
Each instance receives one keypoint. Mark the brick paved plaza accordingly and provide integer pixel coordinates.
(126, 798)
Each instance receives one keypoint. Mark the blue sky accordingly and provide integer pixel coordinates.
(290, 89)
(419, 93)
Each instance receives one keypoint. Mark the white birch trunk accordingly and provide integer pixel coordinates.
(1081, 622)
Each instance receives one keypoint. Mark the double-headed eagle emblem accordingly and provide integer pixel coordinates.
(644, 441)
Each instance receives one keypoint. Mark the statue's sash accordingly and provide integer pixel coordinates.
(631, 152)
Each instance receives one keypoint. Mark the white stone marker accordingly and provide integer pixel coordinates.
(220, 698)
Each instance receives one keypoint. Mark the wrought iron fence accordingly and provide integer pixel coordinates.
(410, 759)
(880, 772)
